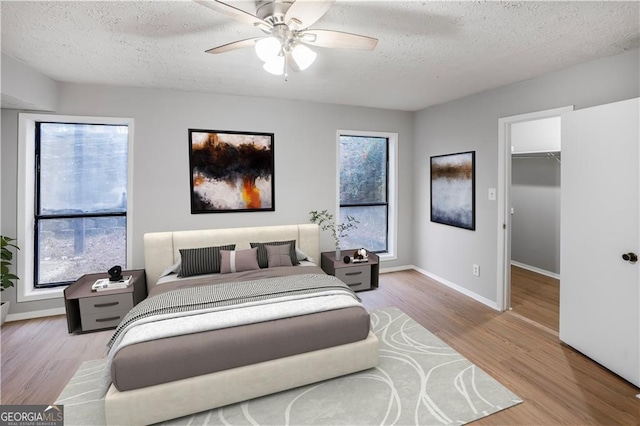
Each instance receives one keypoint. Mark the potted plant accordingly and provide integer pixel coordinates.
(325, 220)
(7, 278)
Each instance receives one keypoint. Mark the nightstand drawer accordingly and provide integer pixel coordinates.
(356, 277)
(109, 306)
(105, 319)
(106, 303)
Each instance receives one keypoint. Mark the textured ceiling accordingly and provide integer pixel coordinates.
(428, 52)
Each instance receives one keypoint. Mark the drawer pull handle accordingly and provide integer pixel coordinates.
(104, 305)
(107, 319)
(354, 284)
(354, 273)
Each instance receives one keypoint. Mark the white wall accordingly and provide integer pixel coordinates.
(305, 158)
(305, 153)
(24, 87)
(535, 224)
(471, 123)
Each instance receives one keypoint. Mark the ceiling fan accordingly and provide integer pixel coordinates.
(287, 35)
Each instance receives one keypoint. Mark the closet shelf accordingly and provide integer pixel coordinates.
(538, 154)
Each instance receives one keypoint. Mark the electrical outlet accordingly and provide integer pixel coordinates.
(476, 270)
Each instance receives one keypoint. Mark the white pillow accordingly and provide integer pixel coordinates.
(173, 269)
(301, 255)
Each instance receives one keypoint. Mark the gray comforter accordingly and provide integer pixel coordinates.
(199, 307)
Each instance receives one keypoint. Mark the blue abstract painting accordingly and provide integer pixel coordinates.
(453, 190)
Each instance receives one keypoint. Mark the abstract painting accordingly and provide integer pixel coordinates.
(453, 189)
(231, 171)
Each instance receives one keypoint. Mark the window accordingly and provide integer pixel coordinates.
(81, 200)
(73, 191)
(367, 189)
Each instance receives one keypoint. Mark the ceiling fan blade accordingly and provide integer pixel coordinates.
(240, 44)
(339, 39)
(304, 13)
(234, 12)
(292, 63)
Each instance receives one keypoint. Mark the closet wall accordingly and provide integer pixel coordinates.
(535, 194)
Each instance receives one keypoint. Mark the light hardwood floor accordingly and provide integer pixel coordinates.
(557, 384)
(536, 297)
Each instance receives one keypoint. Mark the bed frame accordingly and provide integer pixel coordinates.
(183, 397)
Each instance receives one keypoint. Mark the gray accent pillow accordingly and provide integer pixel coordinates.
(263, 258)
(200, 261)
(238, 260)
(279, 255)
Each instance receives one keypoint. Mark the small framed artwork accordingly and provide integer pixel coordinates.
(453, 194)
(231, 171)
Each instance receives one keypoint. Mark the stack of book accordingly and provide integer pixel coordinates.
(105, 284)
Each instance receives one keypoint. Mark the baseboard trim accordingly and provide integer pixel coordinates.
(35, 314)
(458, 288)
(536, 270)
(396, 269)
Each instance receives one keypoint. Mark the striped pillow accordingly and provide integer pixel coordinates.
(263, 256)
(199, 261)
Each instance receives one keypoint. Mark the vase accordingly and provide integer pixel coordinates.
(337, 253)
(4, 310)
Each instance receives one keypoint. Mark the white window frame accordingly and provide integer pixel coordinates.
(26, 292)
(392, 218)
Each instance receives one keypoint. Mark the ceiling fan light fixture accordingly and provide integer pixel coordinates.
(286, 25)
(303, 56)
(275, 66)
(268, 48)
(307, 37)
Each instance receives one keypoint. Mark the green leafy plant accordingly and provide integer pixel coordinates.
(325, 221)
(6, 244)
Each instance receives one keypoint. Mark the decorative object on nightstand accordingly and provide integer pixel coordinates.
(362, 275)
(89, 310)
(115, 273)
(106, 284)
(325, 221)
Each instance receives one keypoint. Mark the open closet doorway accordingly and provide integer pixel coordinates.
(529, 216)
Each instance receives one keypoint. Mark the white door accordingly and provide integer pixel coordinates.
(600, 211)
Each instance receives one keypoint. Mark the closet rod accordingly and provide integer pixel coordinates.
(554, 155)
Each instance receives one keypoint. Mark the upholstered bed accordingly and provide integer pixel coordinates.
(306, 328)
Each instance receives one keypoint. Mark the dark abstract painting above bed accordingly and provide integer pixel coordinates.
(231, 171)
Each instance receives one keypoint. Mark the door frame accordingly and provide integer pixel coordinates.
(503, 292)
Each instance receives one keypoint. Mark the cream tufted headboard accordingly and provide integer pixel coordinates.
(161, 249)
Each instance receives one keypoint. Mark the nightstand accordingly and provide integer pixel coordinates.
(358, 276)
(99, 310)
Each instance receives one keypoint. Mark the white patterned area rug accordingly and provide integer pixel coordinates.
(420, 381)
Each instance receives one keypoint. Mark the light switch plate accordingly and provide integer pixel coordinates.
(492, 194)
